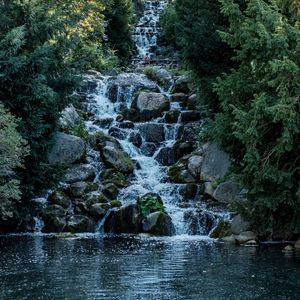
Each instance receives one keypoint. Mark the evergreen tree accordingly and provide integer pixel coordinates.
(260, 119)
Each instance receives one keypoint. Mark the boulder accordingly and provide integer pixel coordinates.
(54, 218)
(111, 191)
(82, 172)
(226, 192)
(117, 132)
(80, 189)
(69, 118)
(165, 156)
(79, 223)
(159, 75)
(95, 197)
(118, 159)
(188, 116)
(209, 189)
(194, 165)
(171, 116)
(148, 149)
(181, 85)
(158, 223)
(98, 210)
(126, 125)
(189, 191)
(152, 132)
(190, 132)
(239, 225)
(216, 163)
(59, 198)
(179, 97)
(245, 237)
(127, 219)
(192, 102)
(136, 139)
(179, 174)
(67, 149)
(221, 230)
(297, 245)
(151, 105)
(103, 122)
(182, 148)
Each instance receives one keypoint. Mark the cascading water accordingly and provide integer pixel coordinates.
(145, 33)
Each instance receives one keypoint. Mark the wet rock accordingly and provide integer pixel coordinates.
(245, 237)
(153, 133)
(131, 114)
(151, 105)
(98, 210)
(159, 75)
(189, 116)
(67, 149)
(190, 132)
(79, 223)
(111, 191)
(172, 116)
(158, 223)
(209, 189)
(148, 149)
(181, 85)
(226, 192)
(118, 159)
(127, 219)
(103, 122)
(179, 97)
(194, 165)
(182, 148)
(69, 118)
(189, 191)
(115, 203)
(239, 225)
(80, 189)
(54, 218)
(221, 230)
(59, 198)
(136, 139)
(165, 156)
(78, 173)
(114, 176)
(126, 125)
(192, 102)
(229, 239)
(288, 249)
(179, 174)
(117, 133)
(95, 197)
(216, 163)
(297, 245)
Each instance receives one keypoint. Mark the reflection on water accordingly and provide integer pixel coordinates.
(143, 268)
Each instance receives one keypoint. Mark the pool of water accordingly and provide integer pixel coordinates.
(132, 268)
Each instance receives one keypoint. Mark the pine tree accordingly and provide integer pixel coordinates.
(260, 119)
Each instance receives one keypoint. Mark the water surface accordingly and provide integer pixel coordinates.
(142, 268)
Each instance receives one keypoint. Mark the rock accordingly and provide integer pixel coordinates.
(118, 159)
(126, 125)
(179, 174)
(189, 116)
(131, 114)
(79, 223)
(78, 173)
(192, 102)
(136, 139)
(209, 189)
(111, 191)
(115, 203)
(179, 97)
(158, 223)
(159, 75)
(239, 225)
(190, 132)
(181, 85)
(79, 189)
(151, 105)
(189, 191)
(114, 176)
(165, 156)
(118, 133)
(69, 118)
(104, 122)
(54, 218)
(126, 219)
(297, 245)
(226, 192)
(172, 116)
(182, 148)
(251, 243)
(148, 149)
(194, 165)
(288, 249)
(216, 163)
(95, 197)
(245, 237)
(152, 132)
(98, 210)
(67, 149)
(229, 239)
(60, 199)
(221, 230)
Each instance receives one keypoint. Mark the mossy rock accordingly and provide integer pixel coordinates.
(110, 190)
(150, 203)
(113, 176)
(221, 230)
(115, 203)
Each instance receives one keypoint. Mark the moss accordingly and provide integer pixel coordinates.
(150, 203)
(221, 230)
(115, 203)
(113, 176)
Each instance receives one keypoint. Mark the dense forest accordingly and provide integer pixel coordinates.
(245, 61)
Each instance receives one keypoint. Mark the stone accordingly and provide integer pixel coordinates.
(216, 163)
(239, 225)
(226, 192)
(69, 118)
(54, 218)
(126, 125)
(95, 197)
(288, 249)
(179, 174)
(118, 159)
(152, 132)
(165, 156)
(189, 191)
(221, 230)
(229, 239)
(126, 219)
(118, 133)
(98, 210)
(194, 165)
(114, 176)
(245, 237)
(158, 223)
(182, 148)
(159, 75)
(151, 105)
(209, 189)
(297, 245)
(67, 149)
(179, 97)
(171, 116)
(188, 116)
(115, 203)
(79, 223)
(181, 85)
(110, 190)
(136, 139)
(104, 122)
(190, 132)
(79, 189)
(82, 172)
(59, 198)
(192, 102)
(148, 149)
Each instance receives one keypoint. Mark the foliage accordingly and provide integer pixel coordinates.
(120, 18)
(260, 120)
(80, 131)
(153, 74)
(150, 203)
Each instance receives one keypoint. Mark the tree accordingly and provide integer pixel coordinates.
(12, 151)
(260, 120)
